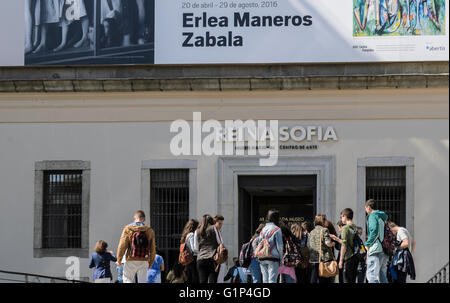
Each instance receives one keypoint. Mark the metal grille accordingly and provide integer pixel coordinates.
(387, 186)
(169, 209)
(62, 209)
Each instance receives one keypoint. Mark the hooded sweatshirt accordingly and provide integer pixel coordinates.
(375, 230)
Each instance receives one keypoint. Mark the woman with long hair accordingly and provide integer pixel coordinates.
(255, 268)
(206, 245)
(270, 261)
(188, 237)
(303, 270)
(320, 238)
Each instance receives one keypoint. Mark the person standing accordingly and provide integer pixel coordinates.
(302, 271)
(206, 245)
(291, 254)
(100, 261)
(376, 259)
(255, 268)
(337, 246)
(272, 236)
(402, 262)
(348, 262)
(320, 238)
(188, 237)
(137, 243)
(154, 272)
(361, 271)
(177, 274)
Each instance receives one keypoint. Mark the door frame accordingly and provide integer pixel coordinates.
(229, 168)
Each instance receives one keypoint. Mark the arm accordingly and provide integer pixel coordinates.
(341, 261)
(327, 239)
(344, 241)
(336, 239)
(113, 257)
(151, 246)
(161, 268)
(373, 231)
(123, 246)
(279, 241)
(404, 244)
(92, 263)
(413, 247)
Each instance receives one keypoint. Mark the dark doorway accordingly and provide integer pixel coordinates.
(293, 195)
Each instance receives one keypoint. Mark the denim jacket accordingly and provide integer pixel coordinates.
(276, 238)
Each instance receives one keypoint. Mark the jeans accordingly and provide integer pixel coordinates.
(255, 270)
(288, 279)
(377, 268)
(269, 270)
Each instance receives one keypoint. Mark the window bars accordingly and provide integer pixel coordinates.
(387, 186)
(169, 208)
(62, 200)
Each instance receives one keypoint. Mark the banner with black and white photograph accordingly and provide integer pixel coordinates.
(81, 32)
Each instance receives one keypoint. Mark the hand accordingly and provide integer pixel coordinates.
(111, 252)
(341, 264)
(118, 263)
(334, 237)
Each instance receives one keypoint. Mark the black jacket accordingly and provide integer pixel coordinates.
(403, 261)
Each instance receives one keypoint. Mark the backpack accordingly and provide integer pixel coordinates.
(388, 243)
(359, 250)
(139, 245)
(292, 256)
(263, 250)
(245, 255)
(304, 252)
(186, 257)
(221, 255)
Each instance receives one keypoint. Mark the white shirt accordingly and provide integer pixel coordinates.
(403, 234)
(190, 242)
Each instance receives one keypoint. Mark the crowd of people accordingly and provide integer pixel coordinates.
(122, 23)
(278, 252)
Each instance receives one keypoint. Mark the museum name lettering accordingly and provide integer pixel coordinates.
(190, 20)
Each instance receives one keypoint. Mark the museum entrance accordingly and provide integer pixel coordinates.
(293, 195)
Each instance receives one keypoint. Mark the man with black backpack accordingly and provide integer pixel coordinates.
(348, 261)
(376, 247)
(138, 242)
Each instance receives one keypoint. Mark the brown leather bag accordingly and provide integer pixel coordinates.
(221, 255)
(327, 269)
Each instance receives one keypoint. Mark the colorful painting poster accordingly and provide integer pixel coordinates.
(398, 18)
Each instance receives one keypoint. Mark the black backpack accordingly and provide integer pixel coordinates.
(359, 250)
(139, 245)
(245, 255)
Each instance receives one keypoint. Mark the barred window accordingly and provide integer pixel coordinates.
(169, 209)
(62, 205)
(387, 186)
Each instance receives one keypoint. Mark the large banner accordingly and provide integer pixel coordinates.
(73, 32)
